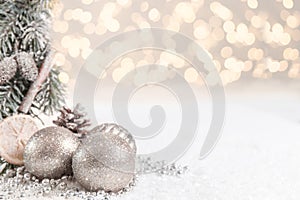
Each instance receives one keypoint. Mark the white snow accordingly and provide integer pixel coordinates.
(258, 156)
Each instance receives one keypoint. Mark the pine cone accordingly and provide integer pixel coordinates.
(8, 69)
(74, 120)
(27, 67)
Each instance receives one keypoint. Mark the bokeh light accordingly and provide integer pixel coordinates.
(245, 37)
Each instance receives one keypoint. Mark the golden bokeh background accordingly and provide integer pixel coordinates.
(247, 39)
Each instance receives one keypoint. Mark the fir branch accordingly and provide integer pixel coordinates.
(24, 27)
(11, 96)
(51, 96)
(5, 166)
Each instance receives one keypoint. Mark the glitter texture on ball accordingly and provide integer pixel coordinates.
(49, 152)
(106, 159)
(8, 69)
(27, 66)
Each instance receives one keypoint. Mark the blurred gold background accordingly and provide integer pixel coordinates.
(247, 39)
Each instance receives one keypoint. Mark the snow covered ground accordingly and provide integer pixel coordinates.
(258, 156)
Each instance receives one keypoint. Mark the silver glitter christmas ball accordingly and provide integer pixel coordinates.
(8, 69)
(48, 153)
(27, 67)
(106, 159)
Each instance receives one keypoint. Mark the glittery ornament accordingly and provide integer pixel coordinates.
(27, 66)
(8, 69)
(106, 159)
(15, 131)
(49, 152)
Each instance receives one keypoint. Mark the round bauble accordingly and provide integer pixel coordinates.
(106, 159)
(15, 131)
(8, 69)
(48, 153)
(27, 67)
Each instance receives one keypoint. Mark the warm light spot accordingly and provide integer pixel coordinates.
(127, 63)
(277, 28)
(231, 37)
(247, 66)
(117, 75)
(100, 29)
(225, 77)
(84, 43)
(218, 34)
(283, 65)
(294, 54)
(229, 26)
(154, 15)
(218, 65)
(86, 17)
(286, 53)
(250, 39)
(252, 4)
(221, 11)
(86, 53)
(68, 15)
(284, 15)
(77, 13)
(144, 6)
(288, 4)
(285, 39)
(178, 62)
(87, 2)
(258, 72)
(293, 72)
(242, 28)
(292, 21)
(66, 41)
(74, 52)
(108, 10)
(63, 77)
(273, 66)
(202, 31)
(255, 54)
(226, 52)
(296, 35)
(112, 25)
(257, 21)
(122, 2)
(185, 11)
(191, 75)
(60, 26)
(229, 62)
(259, 54)
(60, 59)
(291, 54)
(171, 23)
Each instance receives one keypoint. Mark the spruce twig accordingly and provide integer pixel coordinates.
(36, 85)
